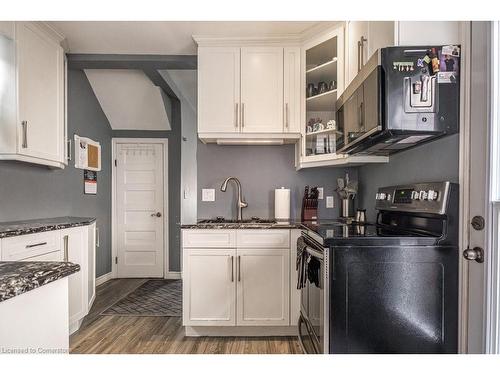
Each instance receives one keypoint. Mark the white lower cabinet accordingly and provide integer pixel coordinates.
(77, 249)
(262, 287)
(76, 245)
(238, 286)
(209, 295)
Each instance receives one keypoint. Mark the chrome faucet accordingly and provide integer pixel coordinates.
(241, 204)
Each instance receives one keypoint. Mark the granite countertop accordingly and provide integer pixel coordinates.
(243, 225)
(17, 228)
(20, 277)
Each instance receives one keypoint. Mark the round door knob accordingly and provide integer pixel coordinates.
(476, 254)
(158, 214)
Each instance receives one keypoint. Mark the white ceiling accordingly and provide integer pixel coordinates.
(129, 99)
(164, 38)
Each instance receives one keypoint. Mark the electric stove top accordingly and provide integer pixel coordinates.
(341, 233)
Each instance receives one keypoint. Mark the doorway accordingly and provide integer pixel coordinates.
(480, 209)
(140, 209)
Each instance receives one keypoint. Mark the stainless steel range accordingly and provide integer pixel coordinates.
(386, 287)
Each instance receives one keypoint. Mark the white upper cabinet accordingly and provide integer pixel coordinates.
(248, 92)
(412, 33)
(40, 93)
(364, 38)
(292, 90)
(262, 90)
(357, 48)
(218, 89)
(33, 119)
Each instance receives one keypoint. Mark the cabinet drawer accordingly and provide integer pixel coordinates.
(269, 238)
(30, 245)
(208, 238)
(55, 256)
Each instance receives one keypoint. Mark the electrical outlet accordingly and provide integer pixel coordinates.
(320, 193)
(208, 195)
(329, 201)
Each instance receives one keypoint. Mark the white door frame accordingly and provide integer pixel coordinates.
(491, 263)
(166, 221)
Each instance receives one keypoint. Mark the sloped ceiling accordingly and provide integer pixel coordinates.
(129, 99)
(187, 83)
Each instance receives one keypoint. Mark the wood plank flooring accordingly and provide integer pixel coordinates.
(137, 335)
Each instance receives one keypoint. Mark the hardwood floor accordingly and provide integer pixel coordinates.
(131, 335)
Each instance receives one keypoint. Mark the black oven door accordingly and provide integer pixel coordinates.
(312, 308)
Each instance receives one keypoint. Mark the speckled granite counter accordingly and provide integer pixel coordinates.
(17, 228)
(251, 225)
(20, 277)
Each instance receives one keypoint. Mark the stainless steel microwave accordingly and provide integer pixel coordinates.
(398, 100)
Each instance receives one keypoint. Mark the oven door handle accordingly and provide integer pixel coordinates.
(314, 253)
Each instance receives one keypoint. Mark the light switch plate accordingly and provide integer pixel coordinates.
(329, 201)
(208, 195)
(320, 193)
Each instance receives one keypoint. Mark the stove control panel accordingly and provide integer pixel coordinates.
(422, 197)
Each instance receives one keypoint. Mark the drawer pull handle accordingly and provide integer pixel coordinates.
(36, 244)
(66, 248)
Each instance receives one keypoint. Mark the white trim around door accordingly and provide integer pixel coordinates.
(114, 250)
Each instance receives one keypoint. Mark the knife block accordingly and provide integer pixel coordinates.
(309, 209)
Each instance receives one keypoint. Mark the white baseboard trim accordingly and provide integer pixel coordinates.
(192, 331)
(102, 279)
(173, 275)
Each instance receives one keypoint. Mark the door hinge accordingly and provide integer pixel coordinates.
(116, 163)
(116, 260)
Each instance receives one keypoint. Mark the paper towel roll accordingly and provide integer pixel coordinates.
(282, 204)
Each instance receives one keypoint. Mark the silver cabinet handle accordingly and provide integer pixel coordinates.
(24, 124)
(236, 115)
(97, 239)
(239, 268)
(36, 244)
(68, 157)
(361, 52)
(66, 244)
(286, 116)
(242, 115)
(232, 269)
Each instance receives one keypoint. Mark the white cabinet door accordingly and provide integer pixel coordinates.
(262, 89)
(355, 31)
(91, 249)
(40, 94)
(209, 292)
(292, 91)
(75, 250)
(414, 33)
(218, 89)
(263, 287)
(380, 34)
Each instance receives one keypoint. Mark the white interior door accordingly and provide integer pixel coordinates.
(263, 287)
(262, 89)
(139, 209)
(478, 277)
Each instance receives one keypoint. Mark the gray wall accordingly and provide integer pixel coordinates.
(174, 182)
(32, 192)
(261, 169)
(434, 161)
